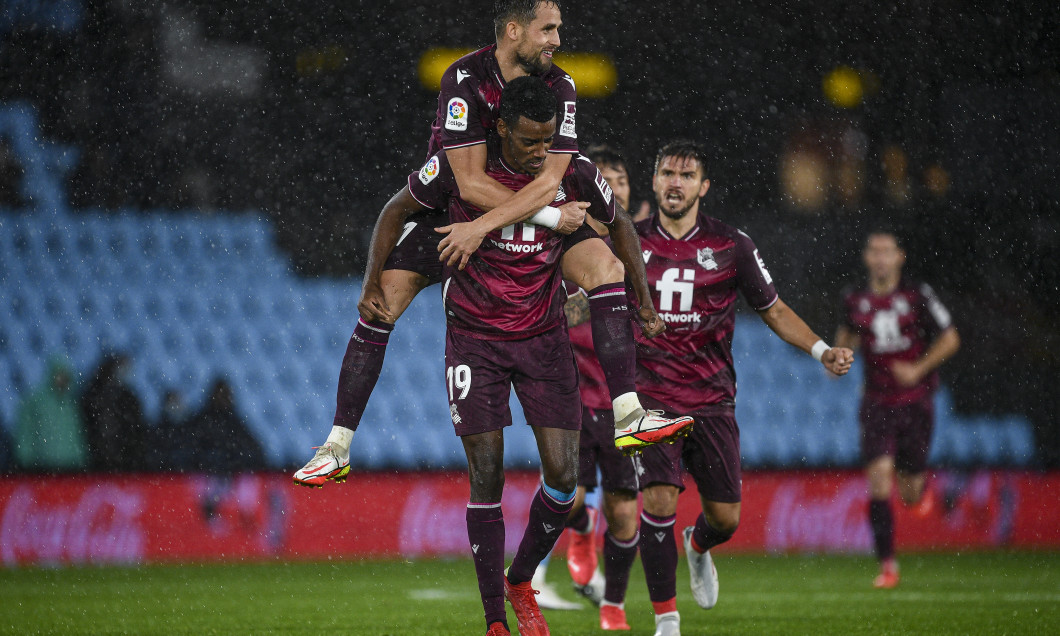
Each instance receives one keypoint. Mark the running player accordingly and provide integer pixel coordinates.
(527, 33)
(696, 265)
(905, 333)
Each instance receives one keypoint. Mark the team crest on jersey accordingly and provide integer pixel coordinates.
(561, 194)
(705, 258)
(429, 171)
(567, 129)
(456, 119)
(901, 305)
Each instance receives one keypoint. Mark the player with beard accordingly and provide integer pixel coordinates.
(527, 33)
(696, 265)
(905, 333)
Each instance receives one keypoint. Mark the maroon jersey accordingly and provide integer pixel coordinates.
(511, 288)
(591, 380)
(693, 281)
(897, 326)
(469, 103)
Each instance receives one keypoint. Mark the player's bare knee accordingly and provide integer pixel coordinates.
(607, 271)
(660, 500)
(486, 485)
(622, 521)
(564, 481)
(726, 525)
(910, 491)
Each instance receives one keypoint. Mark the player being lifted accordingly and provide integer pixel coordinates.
(696, 265)
(527, 33)
(905, 333)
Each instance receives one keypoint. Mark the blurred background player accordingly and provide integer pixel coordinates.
(905, 334)
(612, 166)
(527, 34)
(695, 265)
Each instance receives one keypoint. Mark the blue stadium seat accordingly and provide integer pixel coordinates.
(9, 394)
(751, 449)
(989, 442)
(1018, 441)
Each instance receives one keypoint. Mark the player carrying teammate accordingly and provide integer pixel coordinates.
(905, 333)
(696, 265)
(527, 34)
(505, 327)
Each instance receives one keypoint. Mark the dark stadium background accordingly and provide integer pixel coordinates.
(338, 118)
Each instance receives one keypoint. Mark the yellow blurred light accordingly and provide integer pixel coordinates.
(843, 87)
(322, 60)
(593, 73)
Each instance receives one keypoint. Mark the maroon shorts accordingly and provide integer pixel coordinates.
(417, 248)
(597, 448)
(902, 432)
(710, 453)
(480, 374)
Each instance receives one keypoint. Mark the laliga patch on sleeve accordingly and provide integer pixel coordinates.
(429, 171)
(456, 114)
(762, 266)
(567, 128)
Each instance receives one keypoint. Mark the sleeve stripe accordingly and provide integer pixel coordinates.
(769, 304)
(464, 144)
(413, 193)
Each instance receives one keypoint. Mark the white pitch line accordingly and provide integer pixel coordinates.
(435, 594)
(913, 597)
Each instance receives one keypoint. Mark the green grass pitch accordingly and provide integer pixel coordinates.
(995, 593)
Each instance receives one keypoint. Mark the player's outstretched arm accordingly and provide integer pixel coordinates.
(385, 235)
(502, 206)
(793, 330)
(627, 248)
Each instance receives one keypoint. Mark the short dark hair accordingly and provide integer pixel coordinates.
(886, 229)
(605, 156)
(683, 149)
(520, 11)
(528, 96)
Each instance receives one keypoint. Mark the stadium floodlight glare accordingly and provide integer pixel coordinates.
(594, 73)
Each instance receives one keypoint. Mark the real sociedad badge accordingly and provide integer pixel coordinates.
(705, 258)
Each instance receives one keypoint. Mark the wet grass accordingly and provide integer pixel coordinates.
(978, 593)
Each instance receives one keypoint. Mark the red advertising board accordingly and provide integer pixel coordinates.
(135, 519)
